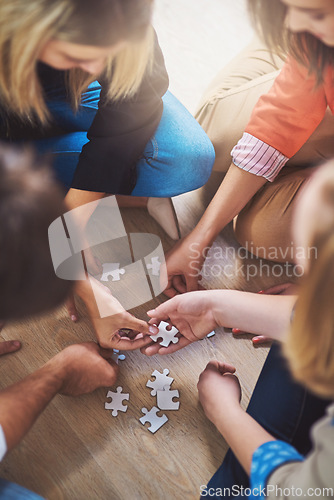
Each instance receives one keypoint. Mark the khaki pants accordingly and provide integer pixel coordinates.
(265, 222)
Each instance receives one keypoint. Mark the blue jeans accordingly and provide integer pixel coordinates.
(12, 491)
(177, 159)
(284, 408)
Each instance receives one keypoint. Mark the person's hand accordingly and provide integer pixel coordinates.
(283, 289)
(184, 264)
(123, 331)
(84, 368)
(218, 390)
(108, 329)
(72, 308)
(192, 314)
(9, 346)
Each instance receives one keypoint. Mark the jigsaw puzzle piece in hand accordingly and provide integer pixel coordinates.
(167, 336)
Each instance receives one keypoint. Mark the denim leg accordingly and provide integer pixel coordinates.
(283, 407)
(12, 491)
(178, 158)
(65, 148)
(64, 153)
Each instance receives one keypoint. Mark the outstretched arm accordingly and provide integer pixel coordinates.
(76, 370)
(195, 314)
(219, 393)
(185, 260)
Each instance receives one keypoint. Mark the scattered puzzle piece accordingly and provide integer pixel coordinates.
(167, 336)
(161, 380)
(165, 399)
(211, 334)
(116, 404)
(112, 269)
(154, 266)
(154, 419)
(116, 356)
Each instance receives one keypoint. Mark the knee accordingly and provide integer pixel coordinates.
(197, 156)
(265, 235)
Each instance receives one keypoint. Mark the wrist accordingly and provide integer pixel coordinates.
(227, 415)
(53, 373)
(204, 234)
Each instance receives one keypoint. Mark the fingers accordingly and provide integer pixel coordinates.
(277, 289)
(257, 340)
(236, 331)
(163, 311)
(9, 346)
(153, 349)
(192, 283)
(221, 367)
(71, 308)
(126, 344)
(261, 339)
(170, 290)
(179, 284)
(139, 325)
(112, 374)
(105, 353)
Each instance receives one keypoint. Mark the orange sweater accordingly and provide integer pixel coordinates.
(289, 113)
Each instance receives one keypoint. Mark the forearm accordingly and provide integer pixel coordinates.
(22, 403)
(79, 198)
(94, 294)
(237, 188)
(254, 313)
(242, 433)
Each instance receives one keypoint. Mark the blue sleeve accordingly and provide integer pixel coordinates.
(268, 457)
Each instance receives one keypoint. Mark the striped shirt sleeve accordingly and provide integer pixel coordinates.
(257, 157)
(3, 444)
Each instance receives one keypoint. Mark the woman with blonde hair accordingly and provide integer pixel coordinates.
(86, 81)
(272, 443)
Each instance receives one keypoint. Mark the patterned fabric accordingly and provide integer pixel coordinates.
(266, 459)
(3, 444)
(257, 157)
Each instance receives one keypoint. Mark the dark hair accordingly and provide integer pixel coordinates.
(29, 201)
(269, 20)
(106, 22)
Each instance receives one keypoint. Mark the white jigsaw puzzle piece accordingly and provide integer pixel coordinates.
(167, 336)
(116, 404)
(154, 266)
(111, 269)
(116, 356)
(154, 419)
(165, 399)
(161, 380)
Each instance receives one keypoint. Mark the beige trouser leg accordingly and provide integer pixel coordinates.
(224, 112)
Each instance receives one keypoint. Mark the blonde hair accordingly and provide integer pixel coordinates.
(310, 344)
(26, 26)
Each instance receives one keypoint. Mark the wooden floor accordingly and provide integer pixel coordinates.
(78, 451)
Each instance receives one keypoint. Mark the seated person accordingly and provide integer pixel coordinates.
(29, 201)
